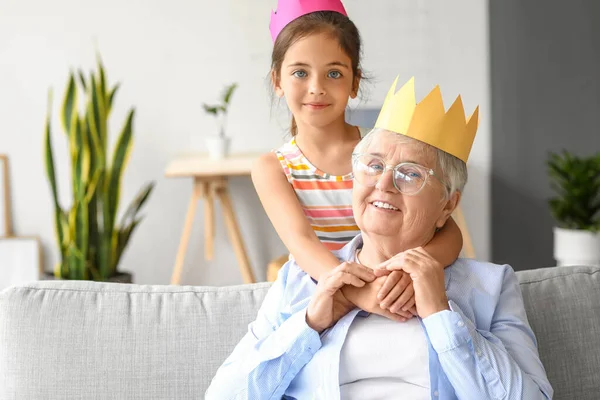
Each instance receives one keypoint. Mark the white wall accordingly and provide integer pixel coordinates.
(172, 56)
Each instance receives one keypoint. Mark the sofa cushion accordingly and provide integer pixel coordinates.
(563, 308)
(81, 340)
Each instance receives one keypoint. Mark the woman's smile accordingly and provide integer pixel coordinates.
(383, 206)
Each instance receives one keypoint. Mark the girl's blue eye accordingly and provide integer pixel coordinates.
(299, 74)
(334, 74)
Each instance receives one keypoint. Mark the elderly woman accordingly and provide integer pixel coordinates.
(471, 339)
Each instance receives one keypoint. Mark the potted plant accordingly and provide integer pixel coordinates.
(90, 239)
(218, 145)
(576, 208)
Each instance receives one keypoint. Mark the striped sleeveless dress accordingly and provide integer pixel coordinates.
(325, 199)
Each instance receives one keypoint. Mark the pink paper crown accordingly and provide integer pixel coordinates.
(289, 10)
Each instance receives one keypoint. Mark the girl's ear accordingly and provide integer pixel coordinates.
(276, 81)
(356, 84)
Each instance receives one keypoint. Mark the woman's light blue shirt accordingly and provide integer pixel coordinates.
(482, 348)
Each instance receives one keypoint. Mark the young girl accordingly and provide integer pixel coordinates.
(305, 186)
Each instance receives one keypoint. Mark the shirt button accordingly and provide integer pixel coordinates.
(460, 323)
(436, 393)
(478, 352)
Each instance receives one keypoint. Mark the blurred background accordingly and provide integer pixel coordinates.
(533, 67)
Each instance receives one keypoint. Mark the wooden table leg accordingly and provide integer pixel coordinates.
(197, 194)
(209, 221)
(234, 233)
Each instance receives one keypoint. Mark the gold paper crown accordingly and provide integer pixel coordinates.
(428, 121)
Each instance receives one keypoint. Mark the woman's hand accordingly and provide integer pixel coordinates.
(397, 293)
(427, 275)
(366, 297)
(328, 304)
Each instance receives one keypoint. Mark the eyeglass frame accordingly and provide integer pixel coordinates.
(387, 167)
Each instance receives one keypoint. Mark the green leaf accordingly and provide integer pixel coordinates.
(99, 101)
(59, 222)
(137, 203)
(82, 235)
(102, 82)
(82, 79)
(69, 106)
(122, 239)
(211, 109)
(228, 93)
(111, 97)
(49, 154)
(94, 126)
(119, 161)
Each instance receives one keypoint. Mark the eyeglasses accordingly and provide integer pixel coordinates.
(409, 178)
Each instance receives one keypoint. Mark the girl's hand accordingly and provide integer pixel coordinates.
(427, 276)
(328, 304)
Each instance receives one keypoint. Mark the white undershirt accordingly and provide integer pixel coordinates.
(384, 359)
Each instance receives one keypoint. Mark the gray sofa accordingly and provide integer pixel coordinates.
(86, 340)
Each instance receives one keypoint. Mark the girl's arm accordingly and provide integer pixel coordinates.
(285, 212)
(446, 244)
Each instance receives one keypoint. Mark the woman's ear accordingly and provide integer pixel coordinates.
(448, 209)
(276, 81)
(356, 84)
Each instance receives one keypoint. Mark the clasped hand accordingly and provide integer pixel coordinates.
(408, 284)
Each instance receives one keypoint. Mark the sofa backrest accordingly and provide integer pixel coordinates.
(563, 308)
(80, 339)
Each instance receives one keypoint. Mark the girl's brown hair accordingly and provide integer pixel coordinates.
(337, 25)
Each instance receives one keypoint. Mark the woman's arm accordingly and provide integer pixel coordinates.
(275, 349)
(501, 363)
(285, 212)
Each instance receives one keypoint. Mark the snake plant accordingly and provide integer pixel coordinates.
(90, 239)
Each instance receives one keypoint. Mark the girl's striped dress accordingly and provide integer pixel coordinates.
(326, 199)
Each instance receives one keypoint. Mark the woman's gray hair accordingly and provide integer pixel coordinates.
(454, 169)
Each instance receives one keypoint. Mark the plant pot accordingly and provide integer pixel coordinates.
(218, 146)
(576, 247)
(121, 277)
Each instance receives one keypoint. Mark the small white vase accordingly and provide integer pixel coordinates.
(218, 146)
(576, 247)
